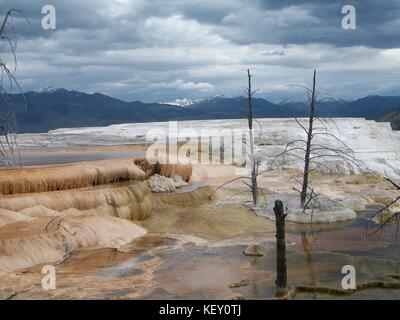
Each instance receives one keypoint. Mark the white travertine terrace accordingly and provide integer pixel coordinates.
(375, 144)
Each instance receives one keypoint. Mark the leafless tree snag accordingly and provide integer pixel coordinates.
(313, 102)
(281, 272)
(250, 181)
(9, 152)
(254, 165)
(315, 154)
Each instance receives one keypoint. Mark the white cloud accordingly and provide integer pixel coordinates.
(179, 31)
(182, 85)
(158, 50)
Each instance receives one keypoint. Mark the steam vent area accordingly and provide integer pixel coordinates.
(118, 224)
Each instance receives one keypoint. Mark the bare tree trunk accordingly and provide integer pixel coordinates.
(281, 272)
(254, 187)
(316, 153)
(254, 165)
(312, 102)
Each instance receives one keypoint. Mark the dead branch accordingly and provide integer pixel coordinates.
(395, 216)
(226, 183)
(392, 182)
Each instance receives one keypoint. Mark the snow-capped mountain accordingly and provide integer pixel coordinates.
(48, 90)
(53, 108)
(183, 102)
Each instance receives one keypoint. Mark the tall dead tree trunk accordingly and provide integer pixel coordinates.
(316, 154)
(252, 184)
(312, 102)
(254, 187)
(281, 272)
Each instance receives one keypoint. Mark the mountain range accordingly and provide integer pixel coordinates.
(60, 108)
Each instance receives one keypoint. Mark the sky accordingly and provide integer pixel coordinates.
(159, 50)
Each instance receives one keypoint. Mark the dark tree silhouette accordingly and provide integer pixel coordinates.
(249, 92)
(313, 103)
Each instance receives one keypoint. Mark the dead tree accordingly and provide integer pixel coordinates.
(315, 154)
(249, 93)
(312, 101)
(250, 181)
(9, 152)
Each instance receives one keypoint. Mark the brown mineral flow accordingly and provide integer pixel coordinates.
(67, 177)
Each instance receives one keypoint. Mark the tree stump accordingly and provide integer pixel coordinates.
(281, 273)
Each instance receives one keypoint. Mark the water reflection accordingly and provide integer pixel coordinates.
(306, 242)
(167, 267)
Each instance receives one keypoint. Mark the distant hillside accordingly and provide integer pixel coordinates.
(64, 108)
(370, 107)
(222, 108)
(392, 117)
(61, 108)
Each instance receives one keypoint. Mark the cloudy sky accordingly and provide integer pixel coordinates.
(159, 50)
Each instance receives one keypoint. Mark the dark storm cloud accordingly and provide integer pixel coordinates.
(377, 23)
(269, 21)
(158, 49)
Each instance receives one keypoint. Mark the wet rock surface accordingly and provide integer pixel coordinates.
(179, 267)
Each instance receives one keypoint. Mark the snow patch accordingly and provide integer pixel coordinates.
(183, 102)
